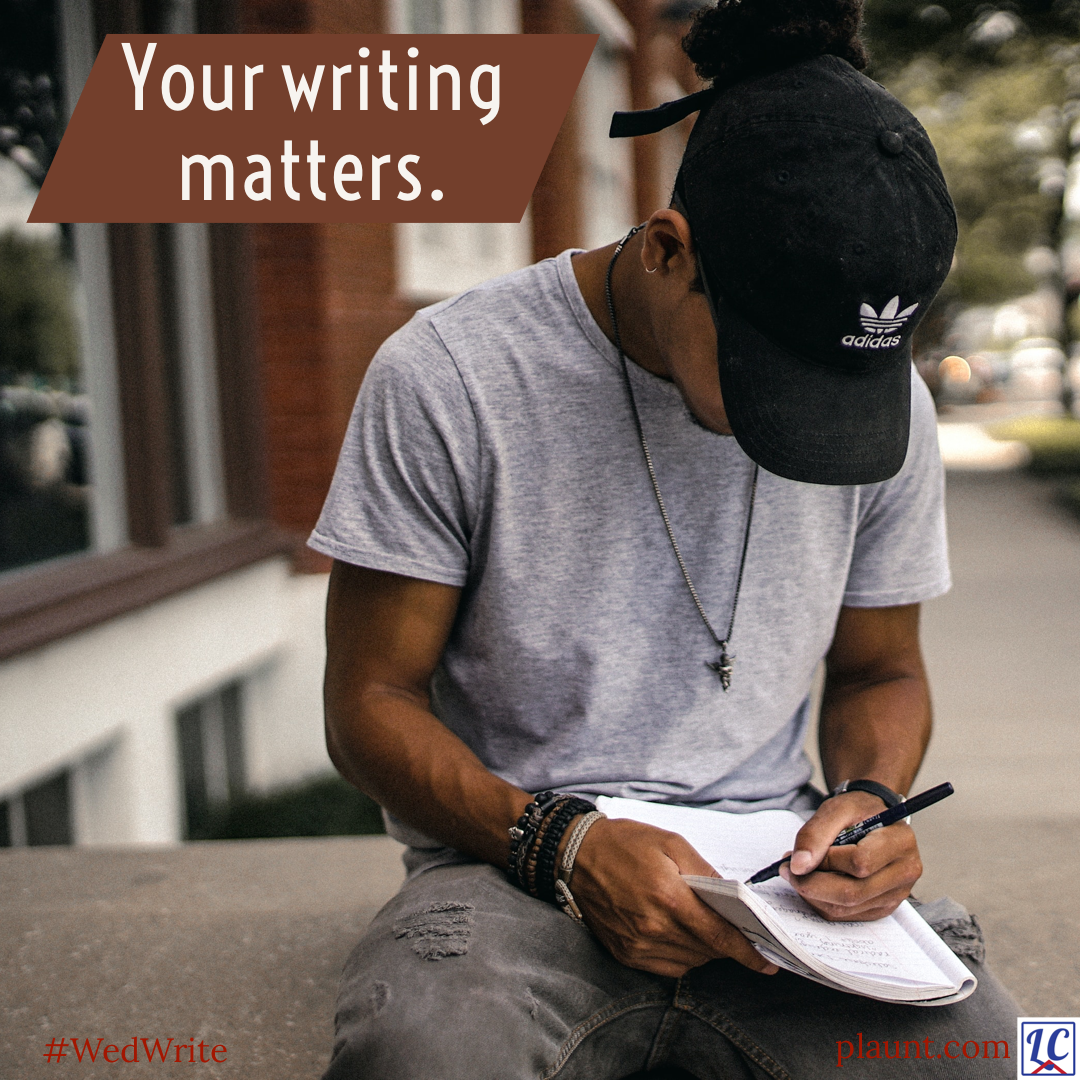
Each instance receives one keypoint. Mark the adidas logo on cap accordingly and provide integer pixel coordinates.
(879, 327)
(888, 320)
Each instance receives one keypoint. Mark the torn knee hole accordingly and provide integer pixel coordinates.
(437, 931)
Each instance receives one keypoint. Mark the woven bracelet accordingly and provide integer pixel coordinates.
(563, 896)
(574, 843)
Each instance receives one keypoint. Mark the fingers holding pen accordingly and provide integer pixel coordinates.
(862, 881)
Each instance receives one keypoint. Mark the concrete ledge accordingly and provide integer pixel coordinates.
(240, 943)
(234, 943)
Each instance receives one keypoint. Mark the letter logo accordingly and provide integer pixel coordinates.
(1047, 1046)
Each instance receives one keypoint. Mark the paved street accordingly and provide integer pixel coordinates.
(1003, 650)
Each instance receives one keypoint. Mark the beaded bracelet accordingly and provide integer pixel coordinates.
(549, 847)
(533, 854)
(535, 839)
(523, 834)
(528, 857)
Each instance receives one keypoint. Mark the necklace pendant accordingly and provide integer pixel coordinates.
(724, 667)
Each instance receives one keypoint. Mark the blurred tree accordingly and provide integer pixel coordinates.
(30, 124)
(1000, 136)
(991, 83)
(37, 327)
(966, 31)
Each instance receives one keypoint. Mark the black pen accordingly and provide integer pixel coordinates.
(854, 833)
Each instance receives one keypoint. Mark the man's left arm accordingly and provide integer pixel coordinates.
(875, 724)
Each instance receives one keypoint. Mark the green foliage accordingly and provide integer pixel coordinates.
(1055, 451)
(327, 806)
(973, 113)
(898, 31)
(988, 81)
(1054, 441)
(37, 325)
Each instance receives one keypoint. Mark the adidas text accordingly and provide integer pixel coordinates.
(868, 342)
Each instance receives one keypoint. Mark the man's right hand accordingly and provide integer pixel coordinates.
(627, 883)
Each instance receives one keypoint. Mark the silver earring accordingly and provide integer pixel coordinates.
(652, 271)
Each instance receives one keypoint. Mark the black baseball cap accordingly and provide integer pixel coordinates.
(824, 230)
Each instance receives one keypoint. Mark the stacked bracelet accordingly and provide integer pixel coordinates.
(524, 832)
(548, 845)
(534, 875)
(535, 839)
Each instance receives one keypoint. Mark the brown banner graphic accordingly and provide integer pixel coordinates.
(313, 127)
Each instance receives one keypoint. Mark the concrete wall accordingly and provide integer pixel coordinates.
(103, 702)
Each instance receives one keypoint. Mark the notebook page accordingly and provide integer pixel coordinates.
(932, 945)
(880, 949)
(735, 845)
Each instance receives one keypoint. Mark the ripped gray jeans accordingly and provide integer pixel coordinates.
(463, 977)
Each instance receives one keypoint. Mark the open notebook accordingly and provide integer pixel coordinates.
(898, 958)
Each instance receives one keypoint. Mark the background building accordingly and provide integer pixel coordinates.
(172, 405)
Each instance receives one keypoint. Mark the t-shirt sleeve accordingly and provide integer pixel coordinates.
(404, 494)
(900, 554)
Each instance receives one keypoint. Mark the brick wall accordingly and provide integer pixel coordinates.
(327, 299)
(327, 294)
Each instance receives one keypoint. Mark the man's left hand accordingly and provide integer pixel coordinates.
(857, 882)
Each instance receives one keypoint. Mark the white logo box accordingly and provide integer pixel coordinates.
(1046, 1046)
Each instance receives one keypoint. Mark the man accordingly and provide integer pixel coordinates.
(557, 569)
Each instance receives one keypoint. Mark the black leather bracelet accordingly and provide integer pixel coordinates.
(548, 853)
(871, 787)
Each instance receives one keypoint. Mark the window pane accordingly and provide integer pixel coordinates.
(165, 241)
(425, 16)
(44, 485)
(48, 812)
(193, 772)
(210, 737)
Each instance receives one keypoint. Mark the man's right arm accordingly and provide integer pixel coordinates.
(385, 635)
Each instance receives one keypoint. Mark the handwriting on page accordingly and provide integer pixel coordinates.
(854, 947)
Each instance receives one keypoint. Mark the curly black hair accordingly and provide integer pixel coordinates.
(740, 38)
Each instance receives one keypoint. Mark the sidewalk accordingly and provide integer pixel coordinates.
(1003, 651)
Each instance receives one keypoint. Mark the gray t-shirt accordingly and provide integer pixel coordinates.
(492, 448)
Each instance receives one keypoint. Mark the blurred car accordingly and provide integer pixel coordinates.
(1035, 370)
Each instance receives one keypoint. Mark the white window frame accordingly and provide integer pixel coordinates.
(608, 197)
(462, 16)
(439, 259)
(94, 305)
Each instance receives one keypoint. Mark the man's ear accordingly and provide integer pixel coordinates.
(669, 246)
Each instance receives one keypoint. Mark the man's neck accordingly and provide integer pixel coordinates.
(628, 296)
